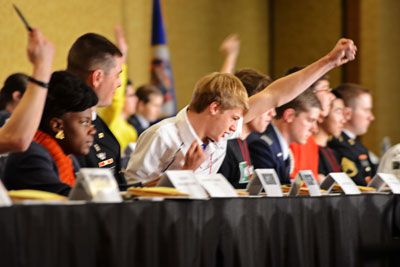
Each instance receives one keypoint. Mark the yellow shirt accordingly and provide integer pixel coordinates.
(112, 115)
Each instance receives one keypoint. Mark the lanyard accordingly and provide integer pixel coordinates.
(244, 150)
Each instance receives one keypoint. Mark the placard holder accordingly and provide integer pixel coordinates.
(97, 185)
(381, 180)
(185, 182)
(216, 185)
(343, 180)
(266, 179)
(308, 178)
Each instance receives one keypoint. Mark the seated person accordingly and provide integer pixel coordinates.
(148, 107)
(331, 126)
(352, 154)
(196, 138)
(294, 122)
(237, 166)
(306, 155)
(11, 93)
(66, 128)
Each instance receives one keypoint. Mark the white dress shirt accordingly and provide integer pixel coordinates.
(163, 147)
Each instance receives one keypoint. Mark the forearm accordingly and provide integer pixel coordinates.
(229, 63)
(287, 88)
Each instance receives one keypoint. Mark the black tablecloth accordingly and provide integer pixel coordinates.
(301, 231)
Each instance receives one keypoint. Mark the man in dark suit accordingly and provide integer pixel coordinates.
(99, 62)
(353, 156)
(294, 122)
(148, 107)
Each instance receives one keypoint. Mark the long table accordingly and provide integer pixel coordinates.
(290, 231)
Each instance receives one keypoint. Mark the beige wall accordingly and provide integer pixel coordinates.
(303, 31)
(194, 32)
(380, 61)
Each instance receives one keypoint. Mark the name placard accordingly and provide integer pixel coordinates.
(216, 185)
(97, 185)
(5, 200)
(382, 179)
(267, 179)
(308, 178)
(343, 180)
(185, 182)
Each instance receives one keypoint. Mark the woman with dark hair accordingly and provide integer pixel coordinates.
(65, 128)
(11, 93)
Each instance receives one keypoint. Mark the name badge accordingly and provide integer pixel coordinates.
(185, 182)
(97, 185)
(382, 179)
(308, 178)
(348, 186)
(266, 179)
(216, 185)
(246, 172)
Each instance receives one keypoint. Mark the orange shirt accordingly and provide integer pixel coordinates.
(305, 157)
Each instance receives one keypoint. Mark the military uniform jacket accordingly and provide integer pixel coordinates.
(105, 152)
(266, 153)
(353, 158)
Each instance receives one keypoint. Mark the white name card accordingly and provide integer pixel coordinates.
(267, 179)
(97, 185)
(185, 182)
(5, 200)
(216, 185)
(382, 179)
(343, 180)
(308, 178)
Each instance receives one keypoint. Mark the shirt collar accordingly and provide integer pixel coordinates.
(284, 144)
(350, 134)
(145, 123)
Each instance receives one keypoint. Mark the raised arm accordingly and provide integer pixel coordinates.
(287, 88)
(17, 133)
(230, 49)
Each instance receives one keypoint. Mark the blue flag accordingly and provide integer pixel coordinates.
(161, 72)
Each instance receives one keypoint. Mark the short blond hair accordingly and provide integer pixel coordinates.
(223, 88)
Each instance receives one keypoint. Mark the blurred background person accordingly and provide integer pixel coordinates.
(353, 156)
(13, 89)
(330, 127)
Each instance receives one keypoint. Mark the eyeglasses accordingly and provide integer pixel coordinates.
(173, 158)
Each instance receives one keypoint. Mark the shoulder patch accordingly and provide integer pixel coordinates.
(349, 167)
(266, 139)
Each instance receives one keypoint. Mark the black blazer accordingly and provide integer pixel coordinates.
(134, 121)
(33, 169)
(266, 153)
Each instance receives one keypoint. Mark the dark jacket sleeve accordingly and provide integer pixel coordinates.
(33, 169)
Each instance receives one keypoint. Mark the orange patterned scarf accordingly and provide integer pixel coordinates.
(63, 162)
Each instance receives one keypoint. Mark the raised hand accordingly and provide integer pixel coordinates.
(40, 50)
(343, 52)
(121, 41)
(230, 45)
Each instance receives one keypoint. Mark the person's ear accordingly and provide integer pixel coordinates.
(56, 125)
(347, 113)
(214, 108)
(289, 115)
(16, 96)
(95, 78)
